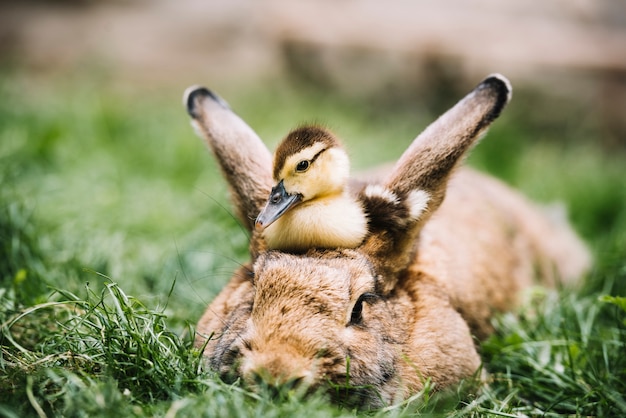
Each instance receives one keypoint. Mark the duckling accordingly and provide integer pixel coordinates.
(310, 205)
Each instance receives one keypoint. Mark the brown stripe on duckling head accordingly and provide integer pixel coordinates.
(299, 139)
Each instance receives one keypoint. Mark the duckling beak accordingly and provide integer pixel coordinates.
(278, 203)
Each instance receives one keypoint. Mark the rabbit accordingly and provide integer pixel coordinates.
(447, 247)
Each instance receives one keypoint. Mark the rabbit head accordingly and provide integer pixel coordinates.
(320, 320)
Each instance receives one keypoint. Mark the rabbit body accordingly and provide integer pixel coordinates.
(405, 306)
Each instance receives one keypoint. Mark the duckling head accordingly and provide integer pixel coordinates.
(309, 164)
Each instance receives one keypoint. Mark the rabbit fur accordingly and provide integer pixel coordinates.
(409, 304)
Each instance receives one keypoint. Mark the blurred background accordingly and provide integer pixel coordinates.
(101, 171)
(398, 50)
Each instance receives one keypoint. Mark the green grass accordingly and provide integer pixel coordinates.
(115, 232)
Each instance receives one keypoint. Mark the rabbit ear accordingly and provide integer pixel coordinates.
(429, 160)
(245, 161)
(417, 184)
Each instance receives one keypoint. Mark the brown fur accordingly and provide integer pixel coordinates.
(239, 152)
(405, 305)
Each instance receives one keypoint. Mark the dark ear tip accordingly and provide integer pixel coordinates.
(499, 84)
(500, 91)
(194, 96)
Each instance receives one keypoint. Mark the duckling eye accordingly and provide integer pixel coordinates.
(303, 166)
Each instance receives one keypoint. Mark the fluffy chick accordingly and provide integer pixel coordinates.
(310, 206)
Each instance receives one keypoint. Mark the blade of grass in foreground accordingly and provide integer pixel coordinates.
(111, 334)
(563, 355)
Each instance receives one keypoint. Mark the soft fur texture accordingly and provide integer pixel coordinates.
(405, 305)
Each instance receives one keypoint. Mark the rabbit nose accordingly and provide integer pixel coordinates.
(278, 386)
(278, 366)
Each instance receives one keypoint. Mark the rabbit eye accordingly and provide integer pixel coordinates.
(356, 317)
(303, 166)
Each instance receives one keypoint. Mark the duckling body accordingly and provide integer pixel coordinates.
(332, 222)
(310, 206)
